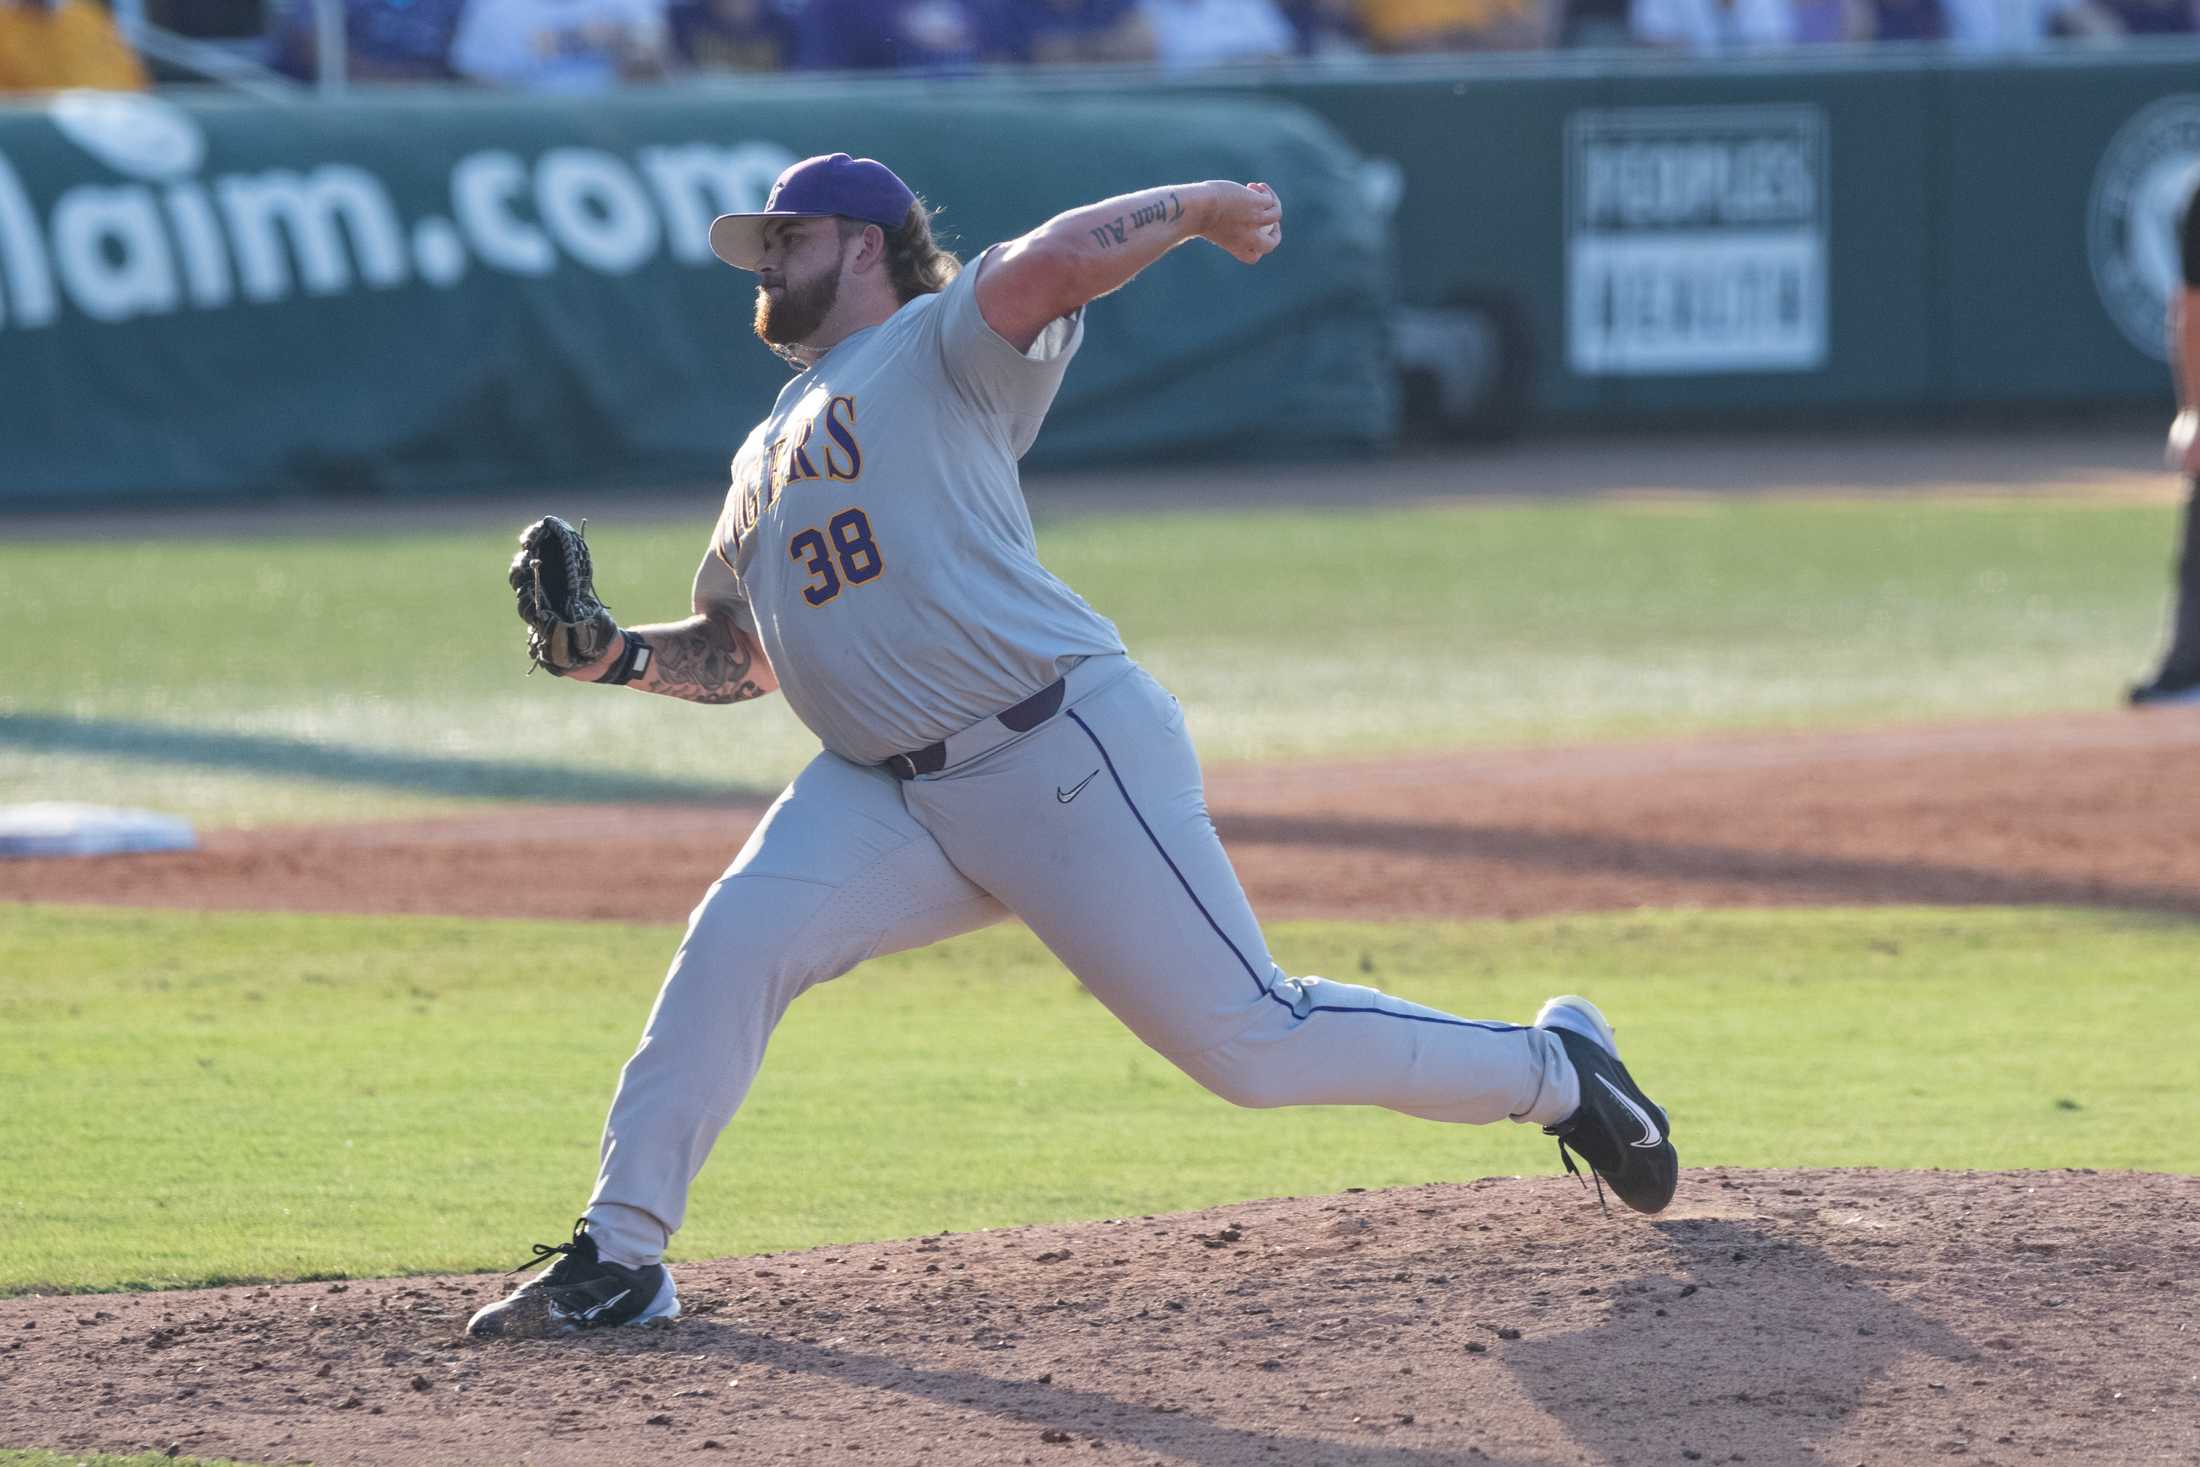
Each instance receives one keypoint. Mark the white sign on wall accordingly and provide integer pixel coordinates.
(1696, 240)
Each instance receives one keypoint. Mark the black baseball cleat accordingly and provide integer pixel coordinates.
(578, 1291)
(2172, 687)
(1621, 1132)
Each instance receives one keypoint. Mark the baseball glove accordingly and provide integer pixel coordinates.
(551, 576)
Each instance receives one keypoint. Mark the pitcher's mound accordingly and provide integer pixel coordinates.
(1824, 1317)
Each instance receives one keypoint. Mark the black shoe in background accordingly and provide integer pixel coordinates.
(2168, 689)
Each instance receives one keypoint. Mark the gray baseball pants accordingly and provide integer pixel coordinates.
(1093, 829)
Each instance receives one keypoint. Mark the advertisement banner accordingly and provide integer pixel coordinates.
(441, 291)
(1696, 240)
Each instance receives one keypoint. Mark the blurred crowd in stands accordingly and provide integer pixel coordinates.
(587, 45)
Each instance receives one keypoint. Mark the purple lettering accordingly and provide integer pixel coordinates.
(844, 440)
(799, 466)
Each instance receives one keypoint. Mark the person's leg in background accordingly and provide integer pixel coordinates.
(2177, 677)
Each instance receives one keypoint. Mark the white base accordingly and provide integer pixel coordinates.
(55, 828)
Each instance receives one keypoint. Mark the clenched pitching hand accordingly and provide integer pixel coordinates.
(1245, 219)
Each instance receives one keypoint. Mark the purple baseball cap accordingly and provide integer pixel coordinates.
(832, 183)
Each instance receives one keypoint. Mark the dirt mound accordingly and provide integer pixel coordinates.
(1770, 1317)
(2084, 810)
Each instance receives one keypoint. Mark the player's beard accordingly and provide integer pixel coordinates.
(798, 312)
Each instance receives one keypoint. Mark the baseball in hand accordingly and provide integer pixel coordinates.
(1273, 231)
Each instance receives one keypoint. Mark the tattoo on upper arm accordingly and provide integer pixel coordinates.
(704, 663)
(1118, 230)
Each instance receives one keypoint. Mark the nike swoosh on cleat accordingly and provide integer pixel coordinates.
(1650, 1133)
(1066, 795)
(587, 1314)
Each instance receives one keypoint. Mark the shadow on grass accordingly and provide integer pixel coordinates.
(432, 774)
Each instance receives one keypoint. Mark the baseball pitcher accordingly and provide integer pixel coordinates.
(989, 748)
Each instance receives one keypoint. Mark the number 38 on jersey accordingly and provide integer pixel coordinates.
(843, 554)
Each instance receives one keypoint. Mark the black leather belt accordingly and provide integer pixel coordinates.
(1022, 718)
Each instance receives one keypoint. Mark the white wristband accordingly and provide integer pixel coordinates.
(632, 664)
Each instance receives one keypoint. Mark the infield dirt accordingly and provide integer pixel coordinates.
(2079, 810)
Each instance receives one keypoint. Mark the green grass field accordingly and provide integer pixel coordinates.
(203, 1098)
(301, 677)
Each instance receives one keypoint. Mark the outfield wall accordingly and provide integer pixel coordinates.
(438, 291)
(443, 291)
(1844, 232)
(1839, 232)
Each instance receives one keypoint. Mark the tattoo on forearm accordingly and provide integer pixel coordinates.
(1158, 211)
(1118, 230)
(703, 664)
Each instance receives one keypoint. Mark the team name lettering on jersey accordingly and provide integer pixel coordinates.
(795, 457)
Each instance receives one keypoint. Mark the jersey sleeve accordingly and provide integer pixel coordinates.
(2188, 236)
(1014, 387)
(716, 584)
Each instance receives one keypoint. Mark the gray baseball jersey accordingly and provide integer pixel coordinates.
(877, 543)
(877, 537)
